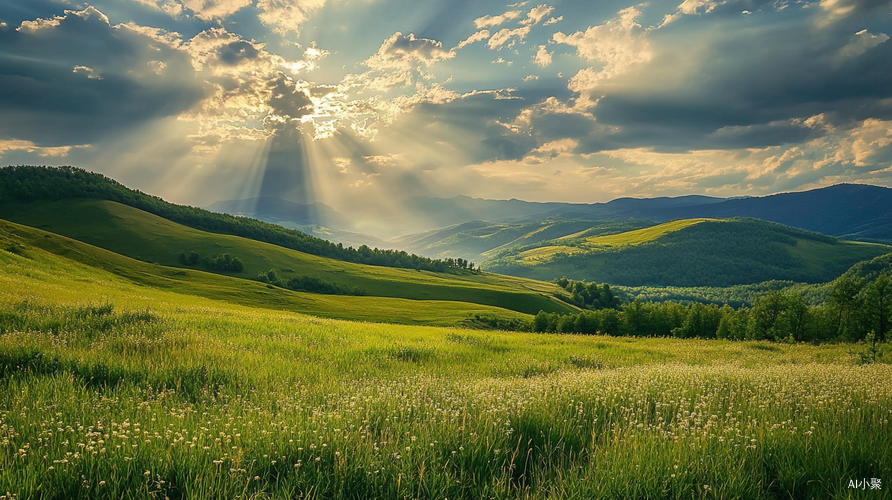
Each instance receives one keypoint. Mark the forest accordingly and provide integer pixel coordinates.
(857, 309)
(727, 254)
(29, 183)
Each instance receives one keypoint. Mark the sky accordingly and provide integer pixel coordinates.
(361, 104)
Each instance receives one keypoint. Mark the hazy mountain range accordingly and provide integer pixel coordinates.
(849, 211)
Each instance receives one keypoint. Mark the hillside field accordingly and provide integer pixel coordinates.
(140, 235)
(112, 389)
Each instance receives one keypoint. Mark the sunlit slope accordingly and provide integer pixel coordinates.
(140, 235)
(63, 268)
(479, 240)
(644, 235)
(692, 252)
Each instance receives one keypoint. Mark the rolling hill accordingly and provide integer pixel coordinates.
(57, 262)
(480, 240)
(691, 252)
(851, 212)
(140, 235)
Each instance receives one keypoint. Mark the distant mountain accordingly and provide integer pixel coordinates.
(436, 213)
(689, 252)
(849, 211)
(269, 207)
(624, 208)
(846, 211)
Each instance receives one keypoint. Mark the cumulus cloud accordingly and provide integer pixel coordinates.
(508, 37)
(252, 97)
(536, 14)
(542, 57)
(287, 15)
(283, 15)
(404, 51)
(617, 44)
(476, 37)
(490, 21)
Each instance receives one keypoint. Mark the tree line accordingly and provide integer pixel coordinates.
(312, 284)
(30, 183)
(223, 262)
(857, 309)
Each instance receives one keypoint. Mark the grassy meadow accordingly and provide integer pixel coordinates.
(113, 388)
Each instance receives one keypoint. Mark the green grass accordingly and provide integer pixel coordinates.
(540, 253)
(55, 252)
(119, 390)
(644, 235)
(140, 235)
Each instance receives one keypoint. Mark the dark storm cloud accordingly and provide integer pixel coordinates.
(751, 88)
(76, 80)
(235, 53)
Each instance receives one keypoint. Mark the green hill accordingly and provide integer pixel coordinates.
(58, 262)
(26, 184)
(143, 236)
(690, 253)
(480, 240)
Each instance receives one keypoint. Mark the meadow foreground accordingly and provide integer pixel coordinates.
(114, 390)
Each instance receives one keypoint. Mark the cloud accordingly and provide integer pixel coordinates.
(215, 9)
(490, 21)
(553, 20)
(396, 62)
(617, 44)
(476, 37)
(536, 14)
(542, 57)
(860, 43)
(838, 9)
(252, 97)
(400, 52)
(287, 15)
(76, 79)
(30, 147)
(507, 36)
(89, 72)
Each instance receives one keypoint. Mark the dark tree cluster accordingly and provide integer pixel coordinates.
(857, 310)
(28, 183)
(223, 262)
(459, 264)
(589, 295)
(312, 284)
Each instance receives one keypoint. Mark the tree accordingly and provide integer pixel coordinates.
(877, 301)
(765, 316)
(610, 322)
(844, 298)
(540, 322)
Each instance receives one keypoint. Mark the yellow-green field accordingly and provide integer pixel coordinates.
(640, 236)
(119, 389)
(541, 253)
